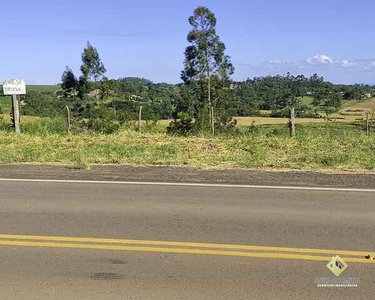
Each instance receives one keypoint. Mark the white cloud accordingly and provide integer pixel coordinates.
(320, 60)
(277, 63)
(324, 61)
(271, 63)
(316, 62)
(345, 62)
(245, 64)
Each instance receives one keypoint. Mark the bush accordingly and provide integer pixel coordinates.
(41, 105)
(184, 125)
(248, 112)
(103, 125)
(308, 114)
(299, 113)
(83, 109)
(225, 124)
(282, 113)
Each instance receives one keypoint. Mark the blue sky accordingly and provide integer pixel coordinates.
(333, 38)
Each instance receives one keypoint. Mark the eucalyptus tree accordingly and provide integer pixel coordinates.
(207, 68)
(92, 69)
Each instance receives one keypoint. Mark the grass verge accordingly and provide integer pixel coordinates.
(316, 147)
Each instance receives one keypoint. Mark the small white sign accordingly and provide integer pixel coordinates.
(14, 87)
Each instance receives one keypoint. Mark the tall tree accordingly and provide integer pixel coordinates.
(328, 98)
(205, 57)
(69, 83)
(92, 68)
(108, 87)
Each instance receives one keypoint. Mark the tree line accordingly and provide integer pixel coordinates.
(205, 101)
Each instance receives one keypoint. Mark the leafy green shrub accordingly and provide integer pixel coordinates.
(308, 114)
(226, 125)
(83, 109)
(103, 125)
(282, 113)
(184, 125)
(41, 105)
(252, 128)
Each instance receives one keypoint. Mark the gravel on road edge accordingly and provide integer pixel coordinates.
(188, 175)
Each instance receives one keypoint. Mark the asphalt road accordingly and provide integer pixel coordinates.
(52, 242)
(188, 174)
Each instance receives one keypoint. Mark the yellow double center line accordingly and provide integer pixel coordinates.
(183, 248)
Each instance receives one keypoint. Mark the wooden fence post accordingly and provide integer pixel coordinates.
(140, 118)
(16, 113)
(69, 125)
(212, 121)
(292, 125)
(367, 123)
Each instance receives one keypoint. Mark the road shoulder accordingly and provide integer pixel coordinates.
(188, 175)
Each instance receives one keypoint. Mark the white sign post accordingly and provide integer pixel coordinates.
(15, 87)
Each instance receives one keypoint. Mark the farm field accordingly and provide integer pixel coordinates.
(248, 121)
(359, 106)
(348, 114)
(24, 119)
(5, 102)
(40, 88)
(351, 111)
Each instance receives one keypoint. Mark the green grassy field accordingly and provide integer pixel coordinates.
(43, 88)
(40, 88)
(334, 147)
(339, 145)
(25, 120)
(5, 101)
